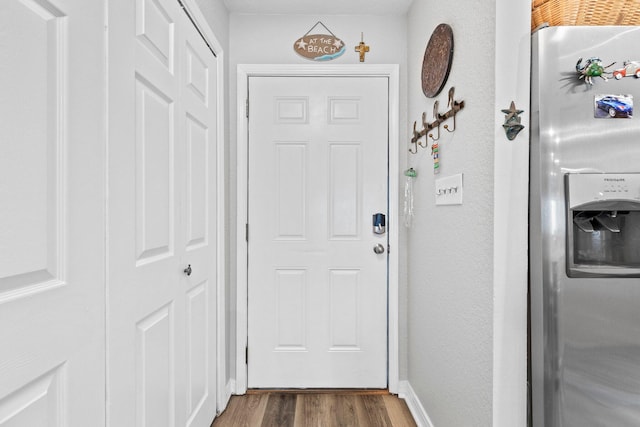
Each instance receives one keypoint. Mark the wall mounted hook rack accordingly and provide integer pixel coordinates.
(454, 108)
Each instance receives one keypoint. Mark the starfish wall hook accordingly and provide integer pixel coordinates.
(512, 125)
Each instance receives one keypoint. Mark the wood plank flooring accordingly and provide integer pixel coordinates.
(315, 409)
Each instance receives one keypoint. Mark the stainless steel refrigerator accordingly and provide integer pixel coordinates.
(585, 227)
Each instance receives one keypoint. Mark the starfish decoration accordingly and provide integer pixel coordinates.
(512, 125)
(337, 43)
(512, 112)
(302, 44)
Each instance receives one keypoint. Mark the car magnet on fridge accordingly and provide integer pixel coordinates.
(613, 106)
(631, 68)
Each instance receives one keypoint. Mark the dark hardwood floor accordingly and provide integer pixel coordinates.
(315, 409)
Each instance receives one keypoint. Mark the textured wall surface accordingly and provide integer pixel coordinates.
(450, 266)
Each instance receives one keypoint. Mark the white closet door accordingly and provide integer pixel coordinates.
(52, 192)
(162, 218)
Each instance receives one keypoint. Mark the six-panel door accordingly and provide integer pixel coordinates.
(317, 174)
(162, 218)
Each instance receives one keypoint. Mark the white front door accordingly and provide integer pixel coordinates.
(52, 216)
(162, 218)
(317, 292)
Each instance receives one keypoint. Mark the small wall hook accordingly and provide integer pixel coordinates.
(455, 107)
(414, 140)
(425, 125)
(454, 125)
(437, 122)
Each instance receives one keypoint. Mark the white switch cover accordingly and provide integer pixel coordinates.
(449, 190)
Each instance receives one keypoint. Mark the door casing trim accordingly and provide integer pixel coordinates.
(244, 71)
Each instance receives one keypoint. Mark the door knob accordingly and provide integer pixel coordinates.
(188, 270)
(379, 248)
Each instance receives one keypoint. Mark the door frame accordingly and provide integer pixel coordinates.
(244, 71)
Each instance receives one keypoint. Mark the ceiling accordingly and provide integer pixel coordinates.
(320, 7)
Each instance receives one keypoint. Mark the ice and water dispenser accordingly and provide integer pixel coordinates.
(603, 224)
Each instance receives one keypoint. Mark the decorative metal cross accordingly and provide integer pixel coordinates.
(362, 48)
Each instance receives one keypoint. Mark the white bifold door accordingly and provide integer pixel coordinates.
(317, 289)
(162, 218)
(52, 215)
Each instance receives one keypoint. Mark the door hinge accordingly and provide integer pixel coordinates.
(247, 108)
(246, 232)
(246, 355)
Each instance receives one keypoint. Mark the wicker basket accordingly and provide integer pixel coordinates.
(585, 12)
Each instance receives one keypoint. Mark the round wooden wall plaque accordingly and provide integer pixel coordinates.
(437, 60)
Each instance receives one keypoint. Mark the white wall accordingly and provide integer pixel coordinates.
(511, 193)
(467, 264)
(217, 16)
(269, 39)
(451, 247)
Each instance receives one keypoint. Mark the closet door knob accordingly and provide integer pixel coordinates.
(188, 270)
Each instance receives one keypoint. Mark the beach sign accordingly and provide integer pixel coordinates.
(319, 47)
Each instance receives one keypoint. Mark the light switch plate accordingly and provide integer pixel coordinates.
(449, 190)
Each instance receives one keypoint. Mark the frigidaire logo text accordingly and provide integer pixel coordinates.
(614, 179)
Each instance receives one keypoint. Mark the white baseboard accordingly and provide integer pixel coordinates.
(405, 391)
(223, 400)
